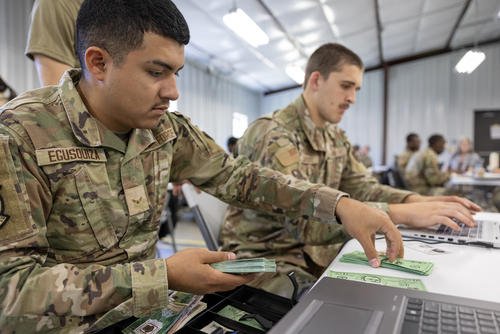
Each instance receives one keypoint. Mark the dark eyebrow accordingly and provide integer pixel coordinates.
(165, 65)
(352, 83)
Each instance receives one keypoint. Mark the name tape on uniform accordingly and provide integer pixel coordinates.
(56, 155)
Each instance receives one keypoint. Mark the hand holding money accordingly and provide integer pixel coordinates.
(243, 266)
(411, 266)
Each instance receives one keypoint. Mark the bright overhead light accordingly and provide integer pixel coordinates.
(470, 61)
(296, 73)
(242, 25)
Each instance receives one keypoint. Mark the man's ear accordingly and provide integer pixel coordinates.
(314, 79)
(97, 60)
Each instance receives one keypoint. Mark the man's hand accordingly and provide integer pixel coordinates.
(362, 222)
(425, 214)
(189, 271)
(473, 207)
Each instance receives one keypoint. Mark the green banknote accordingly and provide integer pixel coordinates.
(242, 266)
(397, 282)
(240, 316)
(411, 266)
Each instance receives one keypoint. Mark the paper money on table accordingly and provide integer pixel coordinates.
(396, 282)
(236, 314)
(241, 266)
(411, 266)
(161, 321)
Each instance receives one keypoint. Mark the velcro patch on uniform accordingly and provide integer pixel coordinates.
(49, 156)
(287, 156)
(14, 216)
(166, 136)
(137, 200)
(282, 142)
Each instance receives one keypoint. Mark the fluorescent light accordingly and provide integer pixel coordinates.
(242, 25)
(296, 73)
(470, 61)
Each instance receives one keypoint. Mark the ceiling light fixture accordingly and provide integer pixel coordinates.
(242, 25)
(296, 73)
(470, 61)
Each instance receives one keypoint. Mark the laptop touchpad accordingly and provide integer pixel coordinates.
(324, 317)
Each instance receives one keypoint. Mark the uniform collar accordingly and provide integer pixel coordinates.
(315, 135)
(89, 131)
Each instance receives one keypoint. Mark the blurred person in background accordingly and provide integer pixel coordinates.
(465, 159)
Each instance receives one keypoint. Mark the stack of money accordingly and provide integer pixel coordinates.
(415, 267)
(244, 266)
(397, 282)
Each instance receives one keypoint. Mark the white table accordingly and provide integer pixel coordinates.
(489, 179)
(466, 271)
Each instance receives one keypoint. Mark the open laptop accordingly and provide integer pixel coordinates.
(485, 233)
(348, 307)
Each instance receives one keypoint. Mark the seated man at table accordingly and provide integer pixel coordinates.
(423, 174)
(412, 146)
(303, 140)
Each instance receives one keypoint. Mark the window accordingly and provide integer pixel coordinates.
(240, 124)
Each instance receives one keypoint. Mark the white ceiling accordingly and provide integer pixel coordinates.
(296, 28)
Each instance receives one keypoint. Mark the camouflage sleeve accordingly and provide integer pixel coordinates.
(238, 181)
(433, 174)
(361, 185)
(34, 294)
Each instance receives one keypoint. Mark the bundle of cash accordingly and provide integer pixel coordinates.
(397, 282)
(244, 266)
(166, 321)
(411, 266)
(240, 316)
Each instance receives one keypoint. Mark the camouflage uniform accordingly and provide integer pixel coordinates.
(423, 174)
(402, 160)
(80, 208)
(289, 141)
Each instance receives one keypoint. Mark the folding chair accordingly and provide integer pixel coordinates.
(208, 213)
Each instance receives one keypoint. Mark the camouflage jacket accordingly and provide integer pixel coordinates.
(402, 160)
(80, 208)
(423, 173)
(288, 141)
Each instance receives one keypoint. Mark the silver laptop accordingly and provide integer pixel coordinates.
(485, 233)
(347, 307)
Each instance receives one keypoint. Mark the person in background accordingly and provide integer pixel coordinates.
(85, 165)
(231, 146)
(6, 92)
(51, 38)
(304, 141)
(364, 156)
(423, 174)
(412, 146)
(465, 159)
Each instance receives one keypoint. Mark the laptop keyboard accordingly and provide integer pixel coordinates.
(424, 316)
(465, 231)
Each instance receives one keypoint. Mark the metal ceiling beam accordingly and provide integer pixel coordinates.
(282, 28)
(404, 60)
(379, 33)
(433, 53)
(457, 24)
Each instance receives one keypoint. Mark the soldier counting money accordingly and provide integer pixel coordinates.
(77, 239)
(304, 140)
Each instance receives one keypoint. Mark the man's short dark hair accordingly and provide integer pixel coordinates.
(118, 26)
(410, 137)
(330, 58)
(436, 138)
(231, 141)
